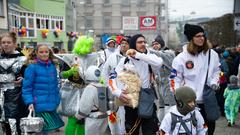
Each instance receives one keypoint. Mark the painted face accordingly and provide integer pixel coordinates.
(124, 46)
(199, 39)
(141, 45)
(7, 45)
(156, 46)
(43, 52)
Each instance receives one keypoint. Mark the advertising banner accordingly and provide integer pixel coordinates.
(148, 22)
(130, 23)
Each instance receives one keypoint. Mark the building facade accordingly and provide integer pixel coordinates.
(122, 17)
(3, 16)
(39, 21)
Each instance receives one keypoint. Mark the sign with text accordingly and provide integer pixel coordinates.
(130, 23)
(148, 23)
(237, 23)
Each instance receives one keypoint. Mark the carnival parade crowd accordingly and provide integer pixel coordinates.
(125, 89)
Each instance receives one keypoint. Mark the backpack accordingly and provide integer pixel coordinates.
(176, 119)
(105, 99)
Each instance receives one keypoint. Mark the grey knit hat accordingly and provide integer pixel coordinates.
(233, 80)
(160, 40)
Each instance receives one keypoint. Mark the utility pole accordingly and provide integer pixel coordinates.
(74, 15)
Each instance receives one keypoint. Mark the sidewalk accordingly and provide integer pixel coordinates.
(221, 128)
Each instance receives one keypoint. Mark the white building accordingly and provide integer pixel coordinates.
(122, 16)
(3, 16)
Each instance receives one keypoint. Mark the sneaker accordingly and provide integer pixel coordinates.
(229, 124)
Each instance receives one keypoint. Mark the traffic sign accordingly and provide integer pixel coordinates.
(237, 23)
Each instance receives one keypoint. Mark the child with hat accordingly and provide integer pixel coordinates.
(232, 100)
(183, 118)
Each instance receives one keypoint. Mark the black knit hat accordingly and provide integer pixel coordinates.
(191, 30)
(160, 40)
(134, 39)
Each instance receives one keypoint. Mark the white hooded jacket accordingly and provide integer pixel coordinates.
(195, 77)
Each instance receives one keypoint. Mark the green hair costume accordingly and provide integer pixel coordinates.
(83, 45)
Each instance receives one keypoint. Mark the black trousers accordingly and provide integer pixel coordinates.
(211, 124)
(149, 126)
(220, 98)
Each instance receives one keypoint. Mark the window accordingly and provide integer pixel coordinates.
(61, 25)
(16, 21)
(106, 1)
(30, 23)
(107, 22)
(126, 2)
(30, 27)
(38, 23)
(88, 2)
(23, 21)
(31, 33)
(88, 22)
(57, 24)
(53, 24)
(43, 24)
(140, 2)
(47, 24)
(1, 8)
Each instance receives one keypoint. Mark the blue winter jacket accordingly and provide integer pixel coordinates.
(40, 86)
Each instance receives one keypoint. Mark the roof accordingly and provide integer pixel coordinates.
(19, 8)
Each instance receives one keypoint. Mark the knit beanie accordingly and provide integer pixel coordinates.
(233, 80)
(191, 30)
(110, 40)
(134, 39)
(160, 40)
(183, 95)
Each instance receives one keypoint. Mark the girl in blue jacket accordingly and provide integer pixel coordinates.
(40, 87)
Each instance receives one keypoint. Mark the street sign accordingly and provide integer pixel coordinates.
(237, 23)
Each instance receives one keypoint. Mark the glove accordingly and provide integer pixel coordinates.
(102, 81)
(214, 87)
(70, 72)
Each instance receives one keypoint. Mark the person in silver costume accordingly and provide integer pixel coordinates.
(12, 108)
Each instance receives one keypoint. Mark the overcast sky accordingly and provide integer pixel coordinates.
(202, 8)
